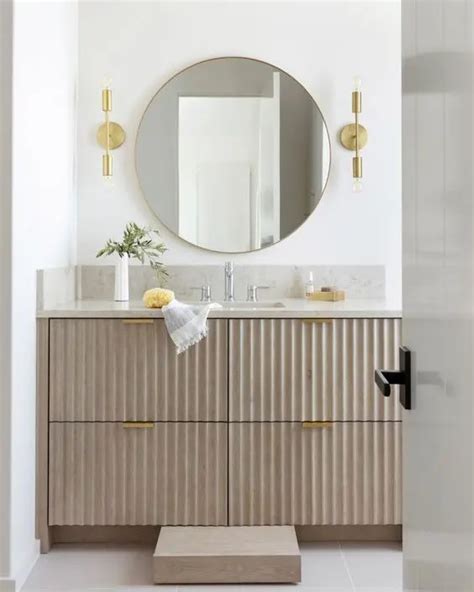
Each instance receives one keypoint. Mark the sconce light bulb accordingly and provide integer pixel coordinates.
(357, 83)
(357, 185)
(106, 82)
(108, 181)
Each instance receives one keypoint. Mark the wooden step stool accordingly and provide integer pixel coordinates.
(226, 554)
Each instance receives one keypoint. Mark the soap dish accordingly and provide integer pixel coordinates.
(329, 296)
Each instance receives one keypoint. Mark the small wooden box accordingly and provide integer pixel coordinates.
(333, 296)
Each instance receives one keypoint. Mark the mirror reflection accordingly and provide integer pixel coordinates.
(232, 154)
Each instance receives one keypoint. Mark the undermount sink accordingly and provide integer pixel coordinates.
(252, 305)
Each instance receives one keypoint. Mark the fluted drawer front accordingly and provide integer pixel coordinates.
(106, 474)
(347, 474)
(293, 370)
(121, 370)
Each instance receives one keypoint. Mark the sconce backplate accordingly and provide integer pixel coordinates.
(348, 135)
(116, 135)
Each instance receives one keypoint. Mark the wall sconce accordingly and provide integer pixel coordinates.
(354, 136)
(110, 135)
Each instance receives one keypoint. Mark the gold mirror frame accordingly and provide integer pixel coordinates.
(147, 107)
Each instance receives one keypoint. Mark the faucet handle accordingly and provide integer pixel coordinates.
(252, 292)
(229, 266)
(206, 293)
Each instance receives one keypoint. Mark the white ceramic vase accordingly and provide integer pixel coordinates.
(121, 279)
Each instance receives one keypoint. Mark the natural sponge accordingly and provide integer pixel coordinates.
(157, 297)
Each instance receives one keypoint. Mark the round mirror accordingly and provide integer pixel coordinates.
(232, 154)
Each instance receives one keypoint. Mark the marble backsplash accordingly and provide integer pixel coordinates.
(282, 281)
(55, 286)
(61, 285)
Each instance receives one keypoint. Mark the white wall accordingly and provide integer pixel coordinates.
(322, 44)
(42, 225)
(6, 42)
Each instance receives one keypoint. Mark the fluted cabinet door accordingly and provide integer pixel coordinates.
(342, 474)
(315, 369)
(106, 474)
(128, 370)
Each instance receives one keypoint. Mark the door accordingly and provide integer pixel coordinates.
(437, 294)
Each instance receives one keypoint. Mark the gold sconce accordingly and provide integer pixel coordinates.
(354, 136)
(110, 135)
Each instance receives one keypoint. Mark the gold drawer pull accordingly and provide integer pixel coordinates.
(317, 321)
(317, 424)
(138, 321)
(128, 425)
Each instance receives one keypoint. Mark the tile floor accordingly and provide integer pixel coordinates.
(326, 567)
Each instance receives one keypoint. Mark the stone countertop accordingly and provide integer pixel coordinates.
(293, 308)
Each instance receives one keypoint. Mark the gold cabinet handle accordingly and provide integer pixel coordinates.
(138, 321)
(311, 425)
(128, 425)
(317, 321)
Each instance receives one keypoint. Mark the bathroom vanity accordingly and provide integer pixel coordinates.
(273, 419)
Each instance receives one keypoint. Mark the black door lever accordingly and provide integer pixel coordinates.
(385, 378)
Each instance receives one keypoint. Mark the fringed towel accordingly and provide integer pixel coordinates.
(186, 324)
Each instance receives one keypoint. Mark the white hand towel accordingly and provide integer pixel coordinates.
(186, 324)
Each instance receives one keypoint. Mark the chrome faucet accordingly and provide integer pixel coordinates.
(229, 281)
(252, 292)
(206, 293)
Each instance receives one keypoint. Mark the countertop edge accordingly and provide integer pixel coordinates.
(293, 310)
